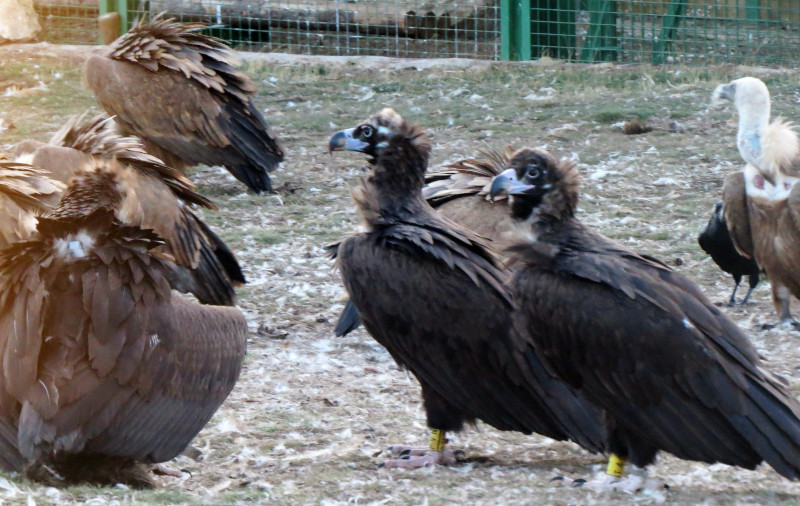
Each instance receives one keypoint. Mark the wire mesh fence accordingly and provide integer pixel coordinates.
(758, 32)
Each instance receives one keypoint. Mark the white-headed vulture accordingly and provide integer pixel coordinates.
(180, 92)
(716, 241)
(672, 372)
(762, 202)
(104, 366)
(206, 267)
(432, 293)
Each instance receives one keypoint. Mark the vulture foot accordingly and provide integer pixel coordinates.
(411, 457)
(790, 324)
(162, 470)
(636, 482)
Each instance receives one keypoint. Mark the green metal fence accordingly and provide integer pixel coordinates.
(758, 32)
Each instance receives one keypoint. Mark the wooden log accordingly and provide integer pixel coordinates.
(110, 27)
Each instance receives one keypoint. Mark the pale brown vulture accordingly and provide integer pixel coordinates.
(433, 294)
(103, 365)
(762, 202)
(26, 192)
(180, 92)
(461, 194)
(672, 372)
(205, 265)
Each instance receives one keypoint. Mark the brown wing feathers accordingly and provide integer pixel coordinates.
(197, 107)
(99, 356)
(155, 199)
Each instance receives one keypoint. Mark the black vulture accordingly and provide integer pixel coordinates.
(105, 368)
(180, 92)
(460, 193)
(716, 241)
(672, 372)
(433, 294)
(160, 200)
(761, 205)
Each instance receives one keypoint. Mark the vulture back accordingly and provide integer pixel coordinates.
(100, 357)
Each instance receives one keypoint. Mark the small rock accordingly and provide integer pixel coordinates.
(635, 127)
(676, 127)
(264, 330)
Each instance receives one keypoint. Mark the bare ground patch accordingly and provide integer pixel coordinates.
(310, 410)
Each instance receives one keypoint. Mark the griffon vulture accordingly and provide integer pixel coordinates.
(672, 372)
(205, 265)
(104, 366)
(26, 192)
(716, 241)
(433, 294)
(180, 92)
(459, 193)
(762, 203)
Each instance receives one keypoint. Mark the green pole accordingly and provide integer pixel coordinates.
(515, 29)
(752, 10)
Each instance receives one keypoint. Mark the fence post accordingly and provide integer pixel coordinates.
(752, 10)
(515, 29)
(677, 8)
(601, 39)
(119, 6)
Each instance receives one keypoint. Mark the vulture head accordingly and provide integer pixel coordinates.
(534, 180)
(372, 136)
(769, 147)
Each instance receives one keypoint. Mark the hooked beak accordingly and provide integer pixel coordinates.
(344, 140)
(723, 92)
(507, 182)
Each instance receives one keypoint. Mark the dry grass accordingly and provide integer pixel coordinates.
(310, 410)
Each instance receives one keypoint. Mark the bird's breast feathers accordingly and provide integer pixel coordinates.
(760, 189)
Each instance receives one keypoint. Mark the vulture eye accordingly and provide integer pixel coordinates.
(533, 171)
(366, 132)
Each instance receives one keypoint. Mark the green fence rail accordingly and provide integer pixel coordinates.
(756, 32)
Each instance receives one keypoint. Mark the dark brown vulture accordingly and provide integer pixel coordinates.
(26, 192)
(716, 241)
(432, 293)
(180, 92)
(205, 265)
(103, 365)
(460, 193)
(762, 202)
(672, 372)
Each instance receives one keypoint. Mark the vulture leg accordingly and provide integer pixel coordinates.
(781, 297)
(412, 457)
(753, 285)
(738, 279)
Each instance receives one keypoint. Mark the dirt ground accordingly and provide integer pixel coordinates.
(311, 411)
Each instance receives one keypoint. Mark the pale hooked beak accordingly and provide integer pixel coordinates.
(507, 182)
(344, 140)
(723, 92)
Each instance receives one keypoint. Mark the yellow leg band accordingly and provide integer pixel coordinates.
(437, 440)
(615, 466)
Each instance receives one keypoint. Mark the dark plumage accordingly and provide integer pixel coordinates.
(461, 194)
(433, 294)
(672, 372)
(716, 241)
(180, 92)
(158, 200)
(105, 366)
